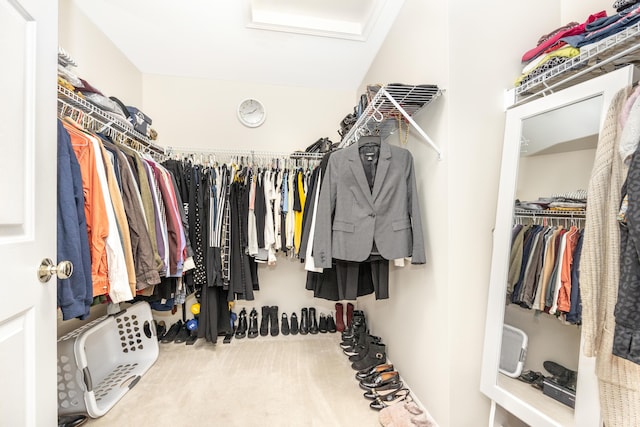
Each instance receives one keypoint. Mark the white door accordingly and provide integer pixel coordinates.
(28, 52)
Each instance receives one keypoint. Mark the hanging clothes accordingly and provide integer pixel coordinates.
(75, 294)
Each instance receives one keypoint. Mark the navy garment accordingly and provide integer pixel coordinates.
(75, 294)
(575, 312)
(605, 27)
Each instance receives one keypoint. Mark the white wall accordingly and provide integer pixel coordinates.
(99, 61)
(412, 322)
(579, 10)
(433, 323)
(201, 114)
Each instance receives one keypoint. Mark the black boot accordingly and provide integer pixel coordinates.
(253, 324)
(285, 324)
(264, 321)
(241, 331)
(331, 324)
(294, 324)
(313, 322)
(322, 325)
(304, 322)
(273, 319)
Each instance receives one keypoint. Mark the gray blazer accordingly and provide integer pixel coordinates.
(350, 216)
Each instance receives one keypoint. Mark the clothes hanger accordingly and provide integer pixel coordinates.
(369, 141)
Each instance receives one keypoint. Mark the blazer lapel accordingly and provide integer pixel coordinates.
(384, 160)
(358, 171)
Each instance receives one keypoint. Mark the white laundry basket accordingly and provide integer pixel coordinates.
(101, 361)
(513, 351)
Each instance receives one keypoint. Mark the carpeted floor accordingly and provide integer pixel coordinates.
(266, 381)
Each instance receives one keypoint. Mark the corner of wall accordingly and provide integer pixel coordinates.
(99, 60)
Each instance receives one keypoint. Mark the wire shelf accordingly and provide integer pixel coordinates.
(382, 116)
(595, 59)
(106, 120)
(546, 213)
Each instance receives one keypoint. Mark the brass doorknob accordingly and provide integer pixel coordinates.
(48, 269)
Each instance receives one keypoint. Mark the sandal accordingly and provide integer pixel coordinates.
(390, 399)
(529, 377)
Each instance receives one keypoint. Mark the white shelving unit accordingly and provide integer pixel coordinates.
(392, 104)
(594, 59)
(101, 120)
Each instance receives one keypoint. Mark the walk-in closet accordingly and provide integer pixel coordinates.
(324, 213)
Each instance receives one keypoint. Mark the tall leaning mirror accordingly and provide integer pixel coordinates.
(548, 153)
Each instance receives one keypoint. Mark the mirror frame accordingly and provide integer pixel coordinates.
(587, 411)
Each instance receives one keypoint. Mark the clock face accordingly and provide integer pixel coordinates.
(251, 113)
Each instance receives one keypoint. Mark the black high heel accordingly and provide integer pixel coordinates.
(241, 331)
(253, 324)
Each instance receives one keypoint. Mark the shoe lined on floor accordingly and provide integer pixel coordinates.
(313, 322)
(285, 324)
(274, 328)
(382, 379)
(383, 391)
(349, 318)
(241, 330)
(161, 329)
(340, 317)
(331, 324)
(182, 335)
(171, 334)
(264, 321)
(294, 324)
(383, 401)
(304, 321)
(253, 324)
(385, 367)
(376, 355)
(322, 324)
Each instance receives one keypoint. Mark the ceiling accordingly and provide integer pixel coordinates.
(311, 43)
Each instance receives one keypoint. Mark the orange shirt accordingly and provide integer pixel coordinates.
(94, 208)
(564, 296)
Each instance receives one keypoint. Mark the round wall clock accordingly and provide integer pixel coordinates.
(251, 113)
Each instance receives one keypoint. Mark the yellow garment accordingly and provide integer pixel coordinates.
(297, 230)
(567, 51)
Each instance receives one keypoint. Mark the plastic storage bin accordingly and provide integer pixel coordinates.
(101, 361)
(513, 351)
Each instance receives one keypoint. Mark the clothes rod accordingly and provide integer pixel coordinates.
(188, 151)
